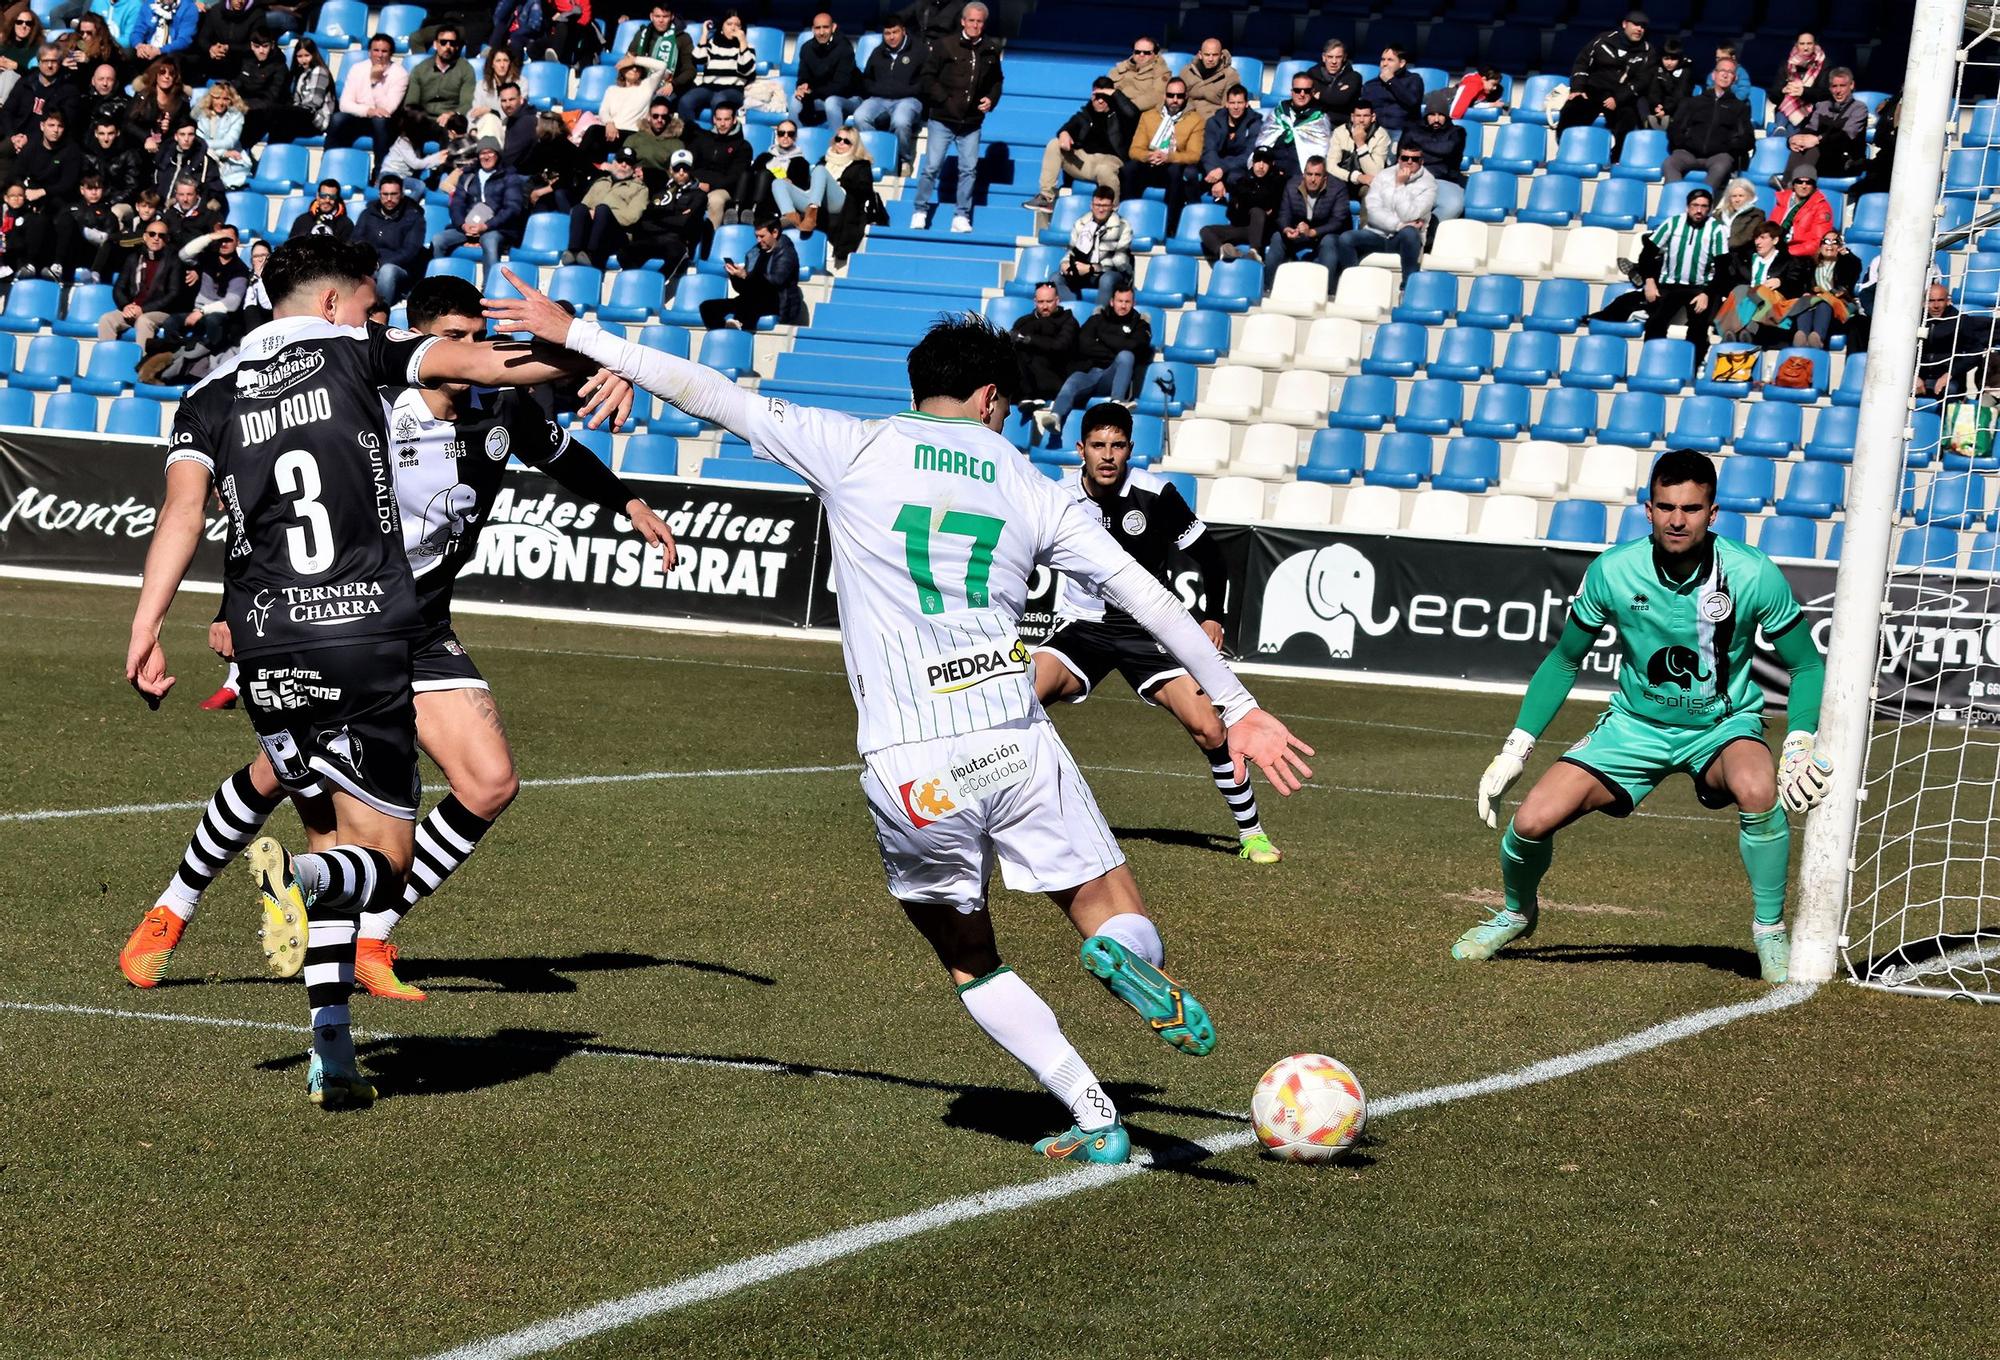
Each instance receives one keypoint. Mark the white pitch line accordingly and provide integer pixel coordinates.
(818, 1251)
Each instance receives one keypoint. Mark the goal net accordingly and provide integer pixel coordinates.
(1924, 891)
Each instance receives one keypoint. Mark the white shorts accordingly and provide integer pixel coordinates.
(943, 807)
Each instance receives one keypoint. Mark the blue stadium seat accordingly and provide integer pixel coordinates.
(580, 285)
(399, 22)
(1436, 406)
(730, 351)
(1004, 311)
(458, 269)
(1181, 378)
(1930, 547)
(1203, 335)
(1171, 281)
(1069, 209)
(1535, 90)
(281, 168)
(1399, 350)
(113, 367)
(70, 411)
(1665, 366)
(1429, 298)
(1233, 286)
(1731, 524)
(1746, 485)
(1494, 301)
(30, 305)
(683, 308)
(1037, 266)
(1853, 372)
(1804, 396)
(1186, 239)
(1471, 465)
(592, 83)
(1499, 411)
(1705, 423)
(88, 302)
(1554, 200)
(1582, 152)
(1833, 435)
(52, 360)
(1619, 204)
(1965, 174)
(1871, 218)
(249, 213)
(1569, 416)
(1560, 306)
(1637, 420)
(1401, 460)
(1786, 535)
(768, 42)
(342, 24)
(1673, 198)
(1957, 500)
(1707, 385)
(1367, 402)
(1335, 456)
(1984, 127)
(1643, 159)
(1533, 358)
(1772, 430)
(1632, 522)
(1597, 362)
(1519, 148)
(1577, 522)
(1926, 435)
(1148, 219)
(1465, 354)
(543, 239)
(734, 241)
(1629, 330)
(1491, 195)
(1814, 491)
(1985, 554)
(635, 295)
(597, 441)
(1767, 159)
(545, 83)
(347, 164)
(134, 416)
(17, 407)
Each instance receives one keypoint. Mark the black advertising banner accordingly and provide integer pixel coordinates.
(70, 504)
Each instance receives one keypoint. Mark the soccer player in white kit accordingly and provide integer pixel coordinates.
(936, 524)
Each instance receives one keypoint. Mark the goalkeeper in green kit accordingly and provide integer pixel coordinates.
(1686, 606)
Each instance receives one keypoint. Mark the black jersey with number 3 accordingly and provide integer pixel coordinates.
(293, 435)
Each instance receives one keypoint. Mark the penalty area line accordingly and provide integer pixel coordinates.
(614, 1314)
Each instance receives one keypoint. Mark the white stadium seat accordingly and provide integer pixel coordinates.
(1526, 249)
(1589, 253)
(1200, 446)
(1460, 247)
(1270, 451)
(1441, 514)
(1303, 503)
(1299, 289)
(1234, 500)
(1333, 345)
(1608, 472)
(1507, 517)
(1372, 508)
(1300, 398)
(1234, 393)
(1269, 342)
(1365, 294)
(1540, 468)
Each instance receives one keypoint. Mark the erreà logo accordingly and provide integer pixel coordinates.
(287, 371)
(970, 667)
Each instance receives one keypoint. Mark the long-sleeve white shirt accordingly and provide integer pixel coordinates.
(1391, 206)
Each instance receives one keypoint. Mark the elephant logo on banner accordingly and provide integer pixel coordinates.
(1327, 592)
(1675, 665)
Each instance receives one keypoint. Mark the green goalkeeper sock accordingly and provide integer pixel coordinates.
(1765, 840)
(1522, 864)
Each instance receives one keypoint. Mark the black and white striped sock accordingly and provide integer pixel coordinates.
(445, 839)
(1242, 801)
(231, 821)
(340, 881)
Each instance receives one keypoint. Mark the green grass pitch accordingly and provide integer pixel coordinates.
(1816, 1181)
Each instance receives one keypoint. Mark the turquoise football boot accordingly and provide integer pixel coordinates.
(1174, 1014)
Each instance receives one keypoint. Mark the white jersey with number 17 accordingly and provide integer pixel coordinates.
(936, 526)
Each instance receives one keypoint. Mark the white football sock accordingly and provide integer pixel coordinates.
(1138, 934)
(1022, 1023)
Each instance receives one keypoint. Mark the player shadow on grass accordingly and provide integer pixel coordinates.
(1175, 835)
(1021, 1116)
(424, 1065)
(524, 973)
(1721, 957)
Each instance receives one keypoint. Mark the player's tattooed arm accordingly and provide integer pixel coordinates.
(176, 534)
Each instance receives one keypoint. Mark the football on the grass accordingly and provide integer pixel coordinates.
(1308, 1108)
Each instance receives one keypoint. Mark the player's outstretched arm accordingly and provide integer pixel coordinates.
(1554, 679)
(579, 470)
(176, 534)
(1803, 773)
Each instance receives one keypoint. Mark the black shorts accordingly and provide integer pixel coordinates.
(1091, 651)
(439, 661)
(339, 716)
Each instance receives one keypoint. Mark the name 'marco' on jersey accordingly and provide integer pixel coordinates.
(448, 473)
(292, 433)
(1148, 517)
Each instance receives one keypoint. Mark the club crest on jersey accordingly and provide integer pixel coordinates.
(1134, 522)
(260, 611)
(401, 333)
(969, 667)
(274, 378)
(926, 801)
(407, 428)
(496, 444)
(1717, 606)
(343, 743)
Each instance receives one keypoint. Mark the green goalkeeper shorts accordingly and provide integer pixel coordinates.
(1631, 756)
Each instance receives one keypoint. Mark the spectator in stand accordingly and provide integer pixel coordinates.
(601, 225)
(1227, 141)
(220, 125)
(369, 97)
(394, 226)
(42, 88)
(118, 167)
(1336, 85)
(657, 138)
(572, 35)
(722, 165)
(1091, 145)
(326, 215)
(724, 64)
(24, 237)
(929, 20)
(892, 91)
(1142, 77)
(780, 165)
(147, 208)
(472, 19)
(443, 85)
(1442, 143)
(257, 298)
(674, 223)
(263, 82)
(625, 104)
(517, 128)
(151, 288)
(1671, 84)
(50, 166)
(1100, 250)
(1827, 304)
(1740, 216)
(828, 83)
(1954, 346)
(164, 28)
(83, 228)
(1612, 74)
(1760, 286)
(1301, 128)
(310, 108)
(524, 26)
(1475, 89)
(1395, 216)
(210, 325)
(486, 209)
(767, 284)
(186, 215)
(554, 170)
(1711, 131)
(1045, 339)
(92, 46)
(1358, 152)
(1801, 82)
(1396, 95)
(962, 83)
(1678, 269)
(502, 68)
(1805, 215)
(1312, 216)
(186, 158)
(844, 181)
(221, 40)
(1112, 350)
(405, 161)
(1165, 151)
(23, 37)
(106, 98)
(662, 40)
(1254, 201)
(1875, 175)
(1833, 138)
(1209, 78)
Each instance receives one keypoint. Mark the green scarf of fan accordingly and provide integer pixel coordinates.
(1288, 122)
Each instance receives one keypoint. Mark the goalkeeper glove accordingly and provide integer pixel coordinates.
(1501, 774)
(1803, 774)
